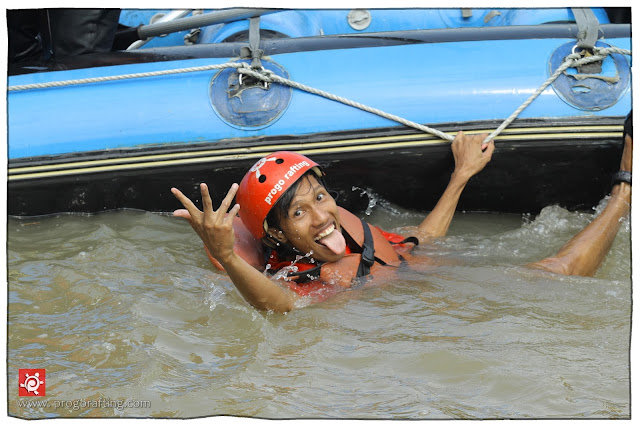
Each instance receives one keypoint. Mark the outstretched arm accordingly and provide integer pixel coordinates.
(471, 156)
(584, 253)
(215, 228)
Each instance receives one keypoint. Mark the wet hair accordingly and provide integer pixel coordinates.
(628, 125)
(281, 208)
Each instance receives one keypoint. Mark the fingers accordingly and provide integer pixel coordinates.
(234, 211)
(486, 147)
(186, 202)
(207, 203)
(476, 138)
(182, 213)
(224, 206)
(206, 198)
(489, 148)
(463, 140)
(479, 138)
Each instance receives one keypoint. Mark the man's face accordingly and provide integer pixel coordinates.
(312, 223)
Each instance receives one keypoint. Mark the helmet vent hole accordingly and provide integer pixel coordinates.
(262, 178)
(279, 161)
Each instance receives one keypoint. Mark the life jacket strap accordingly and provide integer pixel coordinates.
(367, 258)
(306, 276)
(412, 240)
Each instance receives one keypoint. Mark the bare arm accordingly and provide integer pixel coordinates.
(260, 291)
(215, 228)
(470, 156)
(584, 253)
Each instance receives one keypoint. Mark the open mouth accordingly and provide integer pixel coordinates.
(332, 239)
(325, 233)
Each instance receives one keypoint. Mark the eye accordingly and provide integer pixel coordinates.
(297, 213)
(320, 196)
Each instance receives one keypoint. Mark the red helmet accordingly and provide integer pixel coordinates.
(264, 184)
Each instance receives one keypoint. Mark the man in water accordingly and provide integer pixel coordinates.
(287, 216)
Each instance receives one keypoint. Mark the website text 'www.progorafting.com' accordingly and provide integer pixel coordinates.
(81, 404)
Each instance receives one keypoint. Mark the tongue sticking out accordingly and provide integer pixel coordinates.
(334, 242)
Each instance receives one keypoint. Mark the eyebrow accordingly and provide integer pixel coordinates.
(314, 190)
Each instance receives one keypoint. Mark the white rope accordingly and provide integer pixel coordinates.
(121, 77)
(572, 60)
(269, 77)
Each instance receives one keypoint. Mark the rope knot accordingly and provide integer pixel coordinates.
(574, 56)
(262, 74)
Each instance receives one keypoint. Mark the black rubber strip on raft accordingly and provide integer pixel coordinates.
(577, 124)
(524, 176)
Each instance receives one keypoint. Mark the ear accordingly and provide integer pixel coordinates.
(277, 234)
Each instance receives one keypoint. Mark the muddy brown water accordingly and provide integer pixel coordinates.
(128, 318)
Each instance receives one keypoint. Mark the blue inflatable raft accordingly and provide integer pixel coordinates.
(118, 129)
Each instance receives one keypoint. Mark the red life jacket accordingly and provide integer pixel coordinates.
(368, 249)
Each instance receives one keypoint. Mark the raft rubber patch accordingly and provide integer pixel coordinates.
(247, 103)
(592, 89)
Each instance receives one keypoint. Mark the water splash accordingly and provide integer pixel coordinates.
(216, 295)
(373, 200)
(376, 200)
(283, 274)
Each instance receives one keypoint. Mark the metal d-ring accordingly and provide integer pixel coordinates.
(573, 49)
(264, 83)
